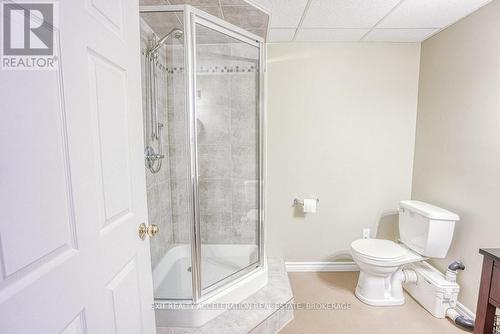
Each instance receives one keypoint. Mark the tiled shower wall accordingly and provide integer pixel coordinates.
(227, 147)
(158, 184)
(227, 124)
(228, 142)
(178, 125)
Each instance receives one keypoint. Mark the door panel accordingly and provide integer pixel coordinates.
(124, 293)
(74, 192)
(76, 326)
(227, 119)
(109, 109)
(52, 234)
(109, 12)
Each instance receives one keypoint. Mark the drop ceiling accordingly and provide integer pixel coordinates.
(338, 20)
(364, 20)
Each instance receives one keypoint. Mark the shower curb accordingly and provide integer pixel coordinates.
(270, 309)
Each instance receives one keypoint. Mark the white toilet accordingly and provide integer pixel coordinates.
(425, 232)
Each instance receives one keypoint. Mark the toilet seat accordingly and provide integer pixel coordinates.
(383, 252)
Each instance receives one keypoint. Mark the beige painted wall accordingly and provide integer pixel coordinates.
(457, 157)
(341, 126)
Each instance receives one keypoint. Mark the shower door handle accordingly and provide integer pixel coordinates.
(151, 230)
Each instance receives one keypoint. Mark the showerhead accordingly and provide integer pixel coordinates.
(175, 33)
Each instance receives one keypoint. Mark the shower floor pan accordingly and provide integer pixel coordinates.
(173, 288)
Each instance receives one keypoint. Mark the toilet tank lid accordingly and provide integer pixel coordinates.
(428, 210)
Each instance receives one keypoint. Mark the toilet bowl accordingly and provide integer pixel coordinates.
(425, 232)
(381, 275)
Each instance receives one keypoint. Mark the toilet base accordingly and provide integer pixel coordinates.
(379, 302)
(381, 289)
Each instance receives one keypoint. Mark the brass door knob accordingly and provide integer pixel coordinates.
(153, 230)
(150, 230)
(142, 231)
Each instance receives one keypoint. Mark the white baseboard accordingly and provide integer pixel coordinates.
(321, 266)
(463, 310)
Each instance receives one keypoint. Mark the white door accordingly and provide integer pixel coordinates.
(72, 187)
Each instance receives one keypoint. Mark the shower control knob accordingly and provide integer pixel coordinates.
(153, 230)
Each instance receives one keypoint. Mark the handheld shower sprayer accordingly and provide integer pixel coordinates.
(153, 159)
(175, 33)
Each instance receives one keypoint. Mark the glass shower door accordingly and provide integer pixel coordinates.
(227, 153)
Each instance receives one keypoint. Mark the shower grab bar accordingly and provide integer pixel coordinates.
(151, 94)
(155, 100)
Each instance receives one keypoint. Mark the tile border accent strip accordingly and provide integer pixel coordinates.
(214, 69)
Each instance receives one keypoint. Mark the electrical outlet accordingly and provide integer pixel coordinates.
(366, 233)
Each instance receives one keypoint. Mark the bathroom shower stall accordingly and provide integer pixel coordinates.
(203, 130)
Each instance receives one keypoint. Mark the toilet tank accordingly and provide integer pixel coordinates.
(425, 228)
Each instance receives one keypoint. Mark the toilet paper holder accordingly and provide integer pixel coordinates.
(298, 201)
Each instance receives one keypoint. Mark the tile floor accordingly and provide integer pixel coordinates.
(338, 287)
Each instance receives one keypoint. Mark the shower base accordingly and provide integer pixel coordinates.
(172, 282)
(274, 309)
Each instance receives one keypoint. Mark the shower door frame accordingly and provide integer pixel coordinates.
(193, 16)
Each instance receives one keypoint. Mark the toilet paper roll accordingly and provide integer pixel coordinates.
(310, 205)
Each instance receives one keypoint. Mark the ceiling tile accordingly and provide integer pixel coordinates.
(215, 11)
(330, 35)
(346, 13)
(206, 35)
(197, 3)
(153, 2)
(287, 13)
(430, 13)
(161, 23)
(245, 16)
(265, 5)
(281, 35)
(233, 3)
(398, 35)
